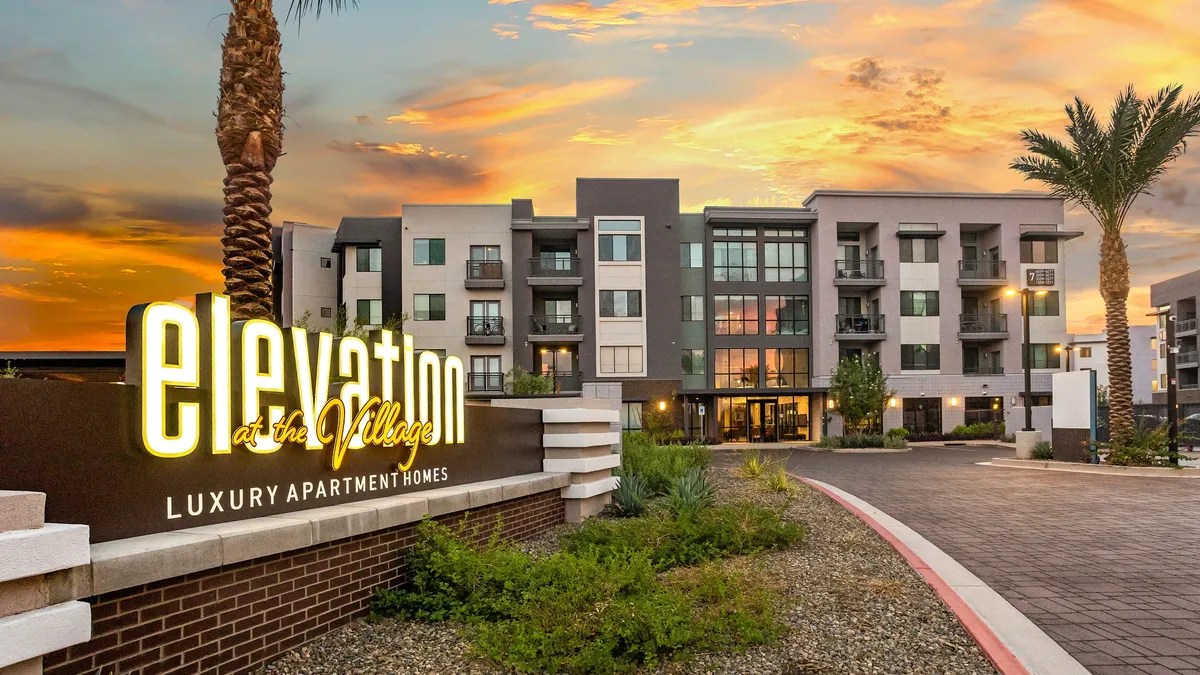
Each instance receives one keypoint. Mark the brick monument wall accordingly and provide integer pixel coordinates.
(234, 618)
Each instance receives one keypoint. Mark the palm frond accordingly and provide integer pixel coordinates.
(302, 8)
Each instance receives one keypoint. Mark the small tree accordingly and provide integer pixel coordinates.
(525, 383)
(859, 390)
(1102, 395)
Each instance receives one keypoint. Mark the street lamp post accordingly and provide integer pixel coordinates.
(1025, 294)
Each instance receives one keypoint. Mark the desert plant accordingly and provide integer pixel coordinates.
(9, 372)
(690, 493)
(778, 480)
(1105, 169)
(1042, 450)
(895, 442)
(752, 464)
(660, 465)
(631, 497)
(897, 432)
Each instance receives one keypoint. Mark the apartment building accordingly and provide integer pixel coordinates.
(734, 318)
(1089, 351)
(1177, 296)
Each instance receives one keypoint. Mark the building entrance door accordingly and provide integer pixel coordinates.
(763, 422)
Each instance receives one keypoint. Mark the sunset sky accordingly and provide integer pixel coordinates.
(110, 180)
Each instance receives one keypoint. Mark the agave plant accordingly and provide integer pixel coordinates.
(631, 497)
(690, 492)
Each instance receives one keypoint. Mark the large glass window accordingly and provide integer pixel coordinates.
(1044, 305)
(736, 314)
(918, 303)
(429, 251)
(691, 254)
(923, 415)
(787, 368)
(735, 261)
(369, 259)
(785, 261)
(736, 368)
(485, 253)
(429, 307)
(693, 307)
(731, 419)
(983, 409)
(744, 232)
(620, 360)
(371, 311)
(787, 314)
(919, 250)
(920, 357)
(1039, 252)
(631, 416)
(620, 247)
(692, 361)
(486, 374)
(1044, 356)
(620, 303)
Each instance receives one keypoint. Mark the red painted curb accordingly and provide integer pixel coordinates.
(992, 647)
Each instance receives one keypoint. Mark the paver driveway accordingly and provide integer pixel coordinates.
(1100, 563)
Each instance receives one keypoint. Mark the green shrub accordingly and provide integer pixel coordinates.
(690, 493)
(852, 441)
(895, 442)
(897, 432)
(1042, 450)
(978, 430)
(631, 497)
(779, 480)
(1144, 446)
(660, 465)
(672, 541)
(752, 464)
(524, 383)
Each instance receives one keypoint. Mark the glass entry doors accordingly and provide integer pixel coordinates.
(763, 421)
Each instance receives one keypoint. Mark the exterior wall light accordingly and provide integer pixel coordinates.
(662, 405)
(953, 402)
(892, 402)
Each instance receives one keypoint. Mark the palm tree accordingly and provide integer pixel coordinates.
(250, 137)
(1104, 170)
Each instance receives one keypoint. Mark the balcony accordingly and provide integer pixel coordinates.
(1185, 326)
(564, 382)
(485, 330)
(982, 273)
(982, 326)
(550, 271)
(860, 327)
(1184, 386)
(485, 383)
(858, 273)
(983, 370)
(555, 328)
(485, 274)
(1187, 359)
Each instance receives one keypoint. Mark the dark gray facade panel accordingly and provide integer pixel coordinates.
(388, 233)
(522, 295)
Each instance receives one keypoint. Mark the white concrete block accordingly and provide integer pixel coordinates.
(582, 464)
(393, 511)
(584, 440)
(486, 492)
(257, 537)
(580, 415)
(152, 557)
(546, 481)
(330, 523)
(42, 631)
(585, 490)
(52, 547)
(447, 500)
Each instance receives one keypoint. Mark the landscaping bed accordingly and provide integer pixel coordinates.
(822, 594)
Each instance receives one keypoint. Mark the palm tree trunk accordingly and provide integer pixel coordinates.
(247, 241)
(1114, 288)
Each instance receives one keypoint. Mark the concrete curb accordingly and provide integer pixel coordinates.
(1103, 469)
(1012, 642)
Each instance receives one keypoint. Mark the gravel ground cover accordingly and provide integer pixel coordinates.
(850, 602)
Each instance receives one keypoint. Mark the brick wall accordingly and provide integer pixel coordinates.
(653, 391)
(233, 619)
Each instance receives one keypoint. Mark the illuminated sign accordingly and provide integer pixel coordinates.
(1039, 277)
(207, 381)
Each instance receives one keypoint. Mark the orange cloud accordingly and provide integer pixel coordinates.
(582, 15)
(507, 106)
(506, 31)
(594, 136)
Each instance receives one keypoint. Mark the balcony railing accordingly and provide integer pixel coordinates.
(1185, 325)
(859, 324)
(1186, 358)
(485, 326)
(546, 266)
(567, 382)
(485, 269)
(982, 269)
(554, 324)
(858, 269)
(983, 323)
(983, 370)
(486, 382)
(1189, 385)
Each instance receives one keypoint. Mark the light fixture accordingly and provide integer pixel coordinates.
(953, 401)
(1040, 292)
(892, 402)
(1058, 349)
(562, 350)
(1010, 292)
(662, 405)
(832, 404)
(544, 350)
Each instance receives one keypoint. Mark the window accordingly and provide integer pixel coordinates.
(1162, 381)
(486, 374)
(786, 234)
(429, 307)
(1153, 364)
(631, 416)
(485, 253)
(327, 312)
(620, 359)
(736, 314)
(326, 263)
(735, 261)
(736, 368)
(1039, 251)
(919, 250)
(1162, 350)
(693, 307)
(1044, 356)
(920, 357)
(923, 415)
(918, 303)
(1086, 353)
(1154, 385)
(787, 315)
(785, 261)
(691, 254)
(1044, 305)
(620, 247)
(735, 232)
(429, 251)
(693, 361)
(918, 227)
(1040, 399)
(983, 409)
(371, 311)
(370, 259)
(787, 368)
(620, 303)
